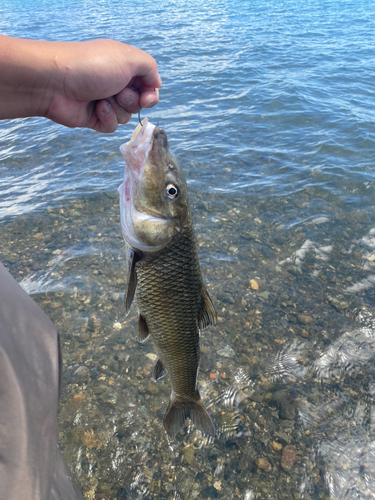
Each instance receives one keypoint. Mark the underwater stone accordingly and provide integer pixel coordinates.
(288, 457)
(189, 454)
(264, 464)
(304, 319)
(226, 352)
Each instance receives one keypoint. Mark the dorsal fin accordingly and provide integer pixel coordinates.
(207, 315)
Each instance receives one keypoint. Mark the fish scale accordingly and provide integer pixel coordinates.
(169, 298)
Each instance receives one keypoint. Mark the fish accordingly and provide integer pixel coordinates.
(164, 278)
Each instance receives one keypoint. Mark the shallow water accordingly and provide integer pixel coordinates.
(269, 107)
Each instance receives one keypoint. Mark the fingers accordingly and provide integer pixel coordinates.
(106, 118)
(118, 109)
(128, 99)
(110, 113)
(134, 100)
(149, 97)
(123, 115)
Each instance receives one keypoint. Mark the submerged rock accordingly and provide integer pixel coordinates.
(264, 464)
(226, 352)
(288, 457)
(189, 454)
(254, 285)
(304, 319)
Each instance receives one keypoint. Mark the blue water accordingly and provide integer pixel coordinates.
(276, 91)
(270, 107)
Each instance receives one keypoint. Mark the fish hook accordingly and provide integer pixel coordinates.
(139, 118)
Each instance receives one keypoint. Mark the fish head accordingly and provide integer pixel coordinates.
(153, 197)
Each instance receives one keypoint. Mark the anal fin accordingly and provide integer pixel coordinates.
(207, 315)
(142, 333)
(159, 370)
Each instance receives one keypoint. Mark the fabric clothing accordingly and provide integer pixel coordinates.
(31, 465)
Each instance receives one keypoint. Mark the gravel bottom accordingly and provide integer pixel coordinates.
(286, 373)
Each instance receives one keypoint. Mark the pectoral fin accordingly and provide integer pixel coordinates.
(159, 370)
(131, 280)
(142, 333)
(207, 314)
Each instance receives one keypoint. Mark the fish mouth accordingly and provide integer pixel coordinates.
(155, 215)
(135, 152)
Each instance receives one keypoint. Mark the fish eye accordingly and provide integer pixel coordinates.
(172, 191)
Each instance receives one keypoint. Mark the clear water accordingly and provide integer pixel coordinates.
(270, 108)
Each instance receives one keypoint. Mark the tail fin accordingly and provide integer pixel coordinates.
(177, 413)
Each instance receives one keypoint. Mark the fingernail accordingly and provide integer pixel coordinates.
(127, 101)
(152, 103)
(106, 108)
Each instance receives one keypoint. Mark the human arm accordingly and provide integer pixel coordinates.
(96, 84)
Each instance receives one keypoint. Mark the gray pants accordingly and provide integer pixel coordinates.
(31, 464)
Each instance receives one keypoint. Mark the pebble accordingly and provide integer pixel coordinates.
(254, 285)
(57, 252)
(117, 325)
(152, 356)
(286, 410)
(147, 369)
(77, 399)
(82, 372)
(264, 464)
(226, 352)
(55, 305)
(282, 436)
(276, 446)
(112, 195)
(304, 319)
(152, 389)
(99, 389)
(89, 439)
(338, 305)
(83, 337)
(288, 457)
(217, 485)
(189, 454)
(226, 298)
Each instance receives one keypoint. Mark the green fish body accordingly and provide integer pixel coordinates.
(164, 277)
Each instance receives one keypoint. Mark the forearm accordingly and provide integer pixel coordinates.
(27, 73)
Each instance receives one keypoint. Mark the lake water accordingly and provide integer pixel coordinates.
(269, 106)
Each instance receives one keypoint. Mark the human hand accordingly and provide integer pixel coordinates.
(103, 83)
(96, 84)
